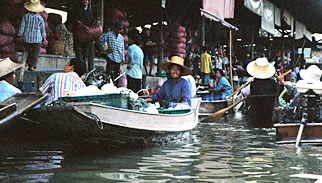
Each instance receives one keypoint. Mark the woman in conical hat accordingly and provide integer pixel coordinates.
(7, 78)
(176, 89)
(32, 31)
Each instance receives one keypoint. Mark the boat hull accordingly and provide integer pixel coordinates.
(210, 107)
(112, 126)
(287, 132)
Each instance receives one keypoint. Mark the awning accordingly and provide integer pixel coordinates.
(217, 19)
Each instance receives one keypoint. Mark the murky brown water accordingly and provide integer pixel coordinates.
(224, 151)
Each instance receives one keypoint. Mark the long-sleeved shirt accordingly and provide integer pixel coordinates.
(205, 63)
(32, 28)
(223, 86)
(135, 61)
(115, 43)
(57, 83)
(173, 92)
(7, 90)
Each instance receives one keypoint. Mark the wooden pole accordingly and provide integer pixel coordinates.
(203, 32)
(90, 50)
(161, 42)
(230, 61)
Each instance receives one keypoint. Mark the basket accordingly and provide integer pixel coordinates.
(114, 99)
(56, 47)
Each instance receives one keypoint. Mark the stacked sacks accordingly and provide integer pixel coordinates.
(9, 27)
(116, 15)
(177, 41)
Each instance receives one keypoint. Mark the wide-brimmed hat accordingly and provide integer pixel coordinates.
(7, 66)
(177, 61)
(34, 6)
(312, 73)
(261, 68)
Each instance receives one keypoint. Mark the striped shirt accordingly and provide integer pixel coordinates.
(116, 44)
(32, 28)
(57, 83)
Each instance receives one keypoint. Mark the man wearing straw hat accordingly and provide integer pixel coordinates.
(7, 78)
(32, 31)
(176, 89)
(262, 71)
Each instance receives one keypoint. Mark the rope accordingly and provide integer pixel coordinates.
(98, 121)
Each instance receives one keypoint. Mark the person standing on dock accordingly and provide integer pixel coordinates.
(7, 78)
(81, 13)
(115, 49)
(32, 32)
(135, 62)
(205, 65)
(58, 83)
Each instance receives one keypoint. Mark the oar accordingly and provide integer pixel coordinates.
(299, 133)
(221, 112)
(240, 88)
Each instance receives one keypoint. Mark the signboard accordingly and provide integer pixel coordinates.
(163, 3)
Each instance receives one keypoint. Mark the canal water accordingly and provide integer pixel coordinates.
(226, 151)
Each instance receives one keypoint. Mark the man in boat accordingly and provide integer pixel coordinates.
(263, 84)
(68, 80)
(311, 79)
(7, 78)
(176, 89)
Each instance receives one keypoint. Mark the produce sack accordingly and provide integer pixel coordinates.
(42, 50)
(9, 48)
(13, 56)
(4, 40)
(87, 34)
(6, 28)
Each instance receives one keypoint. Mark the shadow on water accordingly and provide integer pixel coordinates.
(224, 151)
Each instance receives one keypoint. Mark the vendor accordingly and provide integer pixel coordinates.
(223, 88)
(176, 89)
(7, 78)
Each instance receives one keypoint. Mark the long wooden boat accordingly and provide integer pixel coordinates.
(17, 104)
(261, 110)
(111, 126)
(287, 132)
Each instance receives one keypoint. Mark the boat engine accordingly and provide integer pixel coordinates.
(310, 103)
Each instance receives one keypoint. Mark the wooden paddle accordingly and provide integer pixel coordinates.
(240, 88)
(221, 112)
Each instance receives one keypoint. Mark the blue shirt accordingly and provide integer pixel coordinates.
(223, 86)
(173, 92)
(135, 61)
(32, 28)
(57, 83)
(115, 43)
(7, 90)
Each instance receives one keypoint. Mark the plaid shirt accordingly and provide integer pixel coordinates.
(116, 44)
(32, 28)
(57, 83)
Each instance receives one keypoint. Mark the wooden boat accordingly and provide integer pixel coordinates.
(112, 126)
(209, 107)
(18, 104)
(287, 132)
(261, 110)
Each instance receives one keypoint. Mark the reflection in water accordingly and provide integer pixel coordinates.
(225, 151)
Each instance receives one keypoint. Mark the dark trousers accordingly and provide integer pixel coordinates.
(81, 52)
(133, 84)
(112, 68)
(33, 50)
